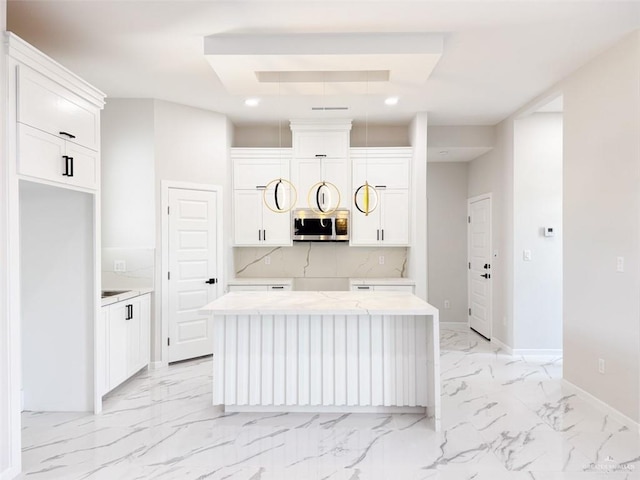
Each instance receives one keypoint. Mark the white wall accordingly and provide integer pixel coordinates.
(601, 223)
(447, 238)
(538, 204)
(128, 192)
(191, 145)
(418, 266)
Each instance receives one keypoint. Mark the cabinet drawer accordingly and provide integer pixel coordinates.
(321, 144)
(47, 106)
(42, 155)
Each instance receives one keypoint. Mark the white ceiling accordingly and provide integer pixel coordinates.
(496, 56)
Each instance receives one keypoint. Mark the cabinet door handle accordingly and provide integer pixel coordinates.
(381, 186)
(277, 287)
(360, 287)
(259, 235)
(264, 235)
(261, 187)
(377, 234)
(68, 166)
(382, 236)
(129, 312)
(67, 134)
(321, 155)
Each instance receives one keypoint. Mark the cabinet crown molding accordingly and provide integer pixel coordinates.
(28, 55)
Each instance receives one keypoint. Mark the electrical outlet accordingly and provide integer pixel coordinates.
(447, 304)
(620, 264)
(119, 266)
(381, 259)
(267, 260)
(601, 365)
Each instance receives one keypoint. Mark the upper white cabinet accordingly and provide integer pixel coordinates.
(382, 167)
(48, 157)
(388, 170)
(56, 124)
(321, 154)
(52, 108)
(255, 169)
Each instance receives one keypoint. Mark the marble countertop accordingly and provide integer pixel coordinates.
(319, 303)
(382, 281)
(260, 281)
(127, 293)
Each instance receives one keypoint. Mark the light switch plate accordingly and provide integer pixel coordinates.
(119, 266)
(526, 255)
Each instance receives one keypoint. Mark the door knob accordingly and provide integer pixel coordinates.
(487, 266)
(211, 281)
(486, 275)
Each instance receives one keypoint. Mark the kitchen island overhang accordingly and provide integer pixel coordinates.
(296, 351)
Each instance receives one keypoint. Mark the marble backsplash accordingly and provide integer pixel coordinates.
(314, 261)
(139, 272)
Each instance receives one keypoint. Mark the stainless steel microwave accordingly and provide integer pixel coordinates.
(311, 226)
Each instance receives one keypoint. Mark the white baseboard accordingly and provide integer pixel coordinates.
(506, 348)
(10, 473)
(454, 324)
(156, 365)
(596, 402)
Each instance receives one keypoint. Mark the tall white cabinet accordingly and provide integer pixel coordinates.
(388, 170)
(53, 140)
(321, 154)
(254, 224)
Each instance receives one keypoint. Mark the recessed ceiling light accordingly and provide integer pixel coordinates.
(444, 152)
(391, 101)
(252, 102)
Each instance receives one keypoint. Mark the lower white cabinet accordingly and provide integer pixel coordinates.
(382, 285)
(382, 288)
(259, 288)
(127, 339)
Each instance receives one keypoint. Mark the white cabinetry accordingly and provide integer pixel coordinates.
(53, 212)
(260, 284)
(254, 223)
(127, 341)
(387, 169)
(321, 153)
(382, 285)
(58, 132)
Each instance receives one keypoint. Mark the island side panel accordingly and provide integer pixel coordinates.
(433, 380)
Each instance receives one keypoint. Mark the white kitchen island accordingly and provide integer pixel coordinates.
(296, 351)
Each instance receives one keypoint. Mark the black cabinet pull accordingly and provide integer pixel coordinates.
(364, 288)
(382, 235)
(67, 134)
(129, 312)
(212, 281)
(259, 235)
(277, 287)
(321, 155)
(377, 234)
(68, 166)
(264, 235)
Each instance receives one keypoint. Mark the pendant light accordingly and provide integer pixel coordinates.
(366, 190)
(274, 193)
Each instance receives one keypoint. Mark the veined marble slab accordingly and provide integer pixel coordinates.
(319, 303)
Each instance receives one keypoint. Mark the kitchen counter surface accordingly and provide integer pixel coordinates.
(381, 281)
(310, 303)
(127, 294)
(260, 281)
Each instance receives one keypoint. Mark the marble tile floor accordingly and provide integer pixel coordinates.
(503, 417)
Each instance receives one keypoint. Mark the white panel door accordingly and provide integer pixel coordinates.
(192, 264)
(479, 273)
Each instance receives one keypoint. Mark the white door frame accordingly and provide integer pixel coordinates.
(484, 196)
(163, 302)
